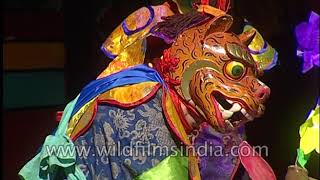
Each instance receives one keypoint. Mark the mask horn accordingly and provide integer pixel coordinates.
(247, 36)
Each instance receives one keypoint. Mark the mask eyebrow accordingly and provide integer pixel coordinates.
(215, 49)
(240, 53)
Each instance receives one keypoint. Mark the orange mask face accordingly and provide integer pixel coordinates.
(218, 74)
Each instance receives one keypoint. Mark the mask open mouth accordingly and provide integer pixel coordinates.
(230, 114)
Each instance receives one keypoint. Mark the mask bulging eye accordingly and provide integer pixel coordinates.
(235, 70)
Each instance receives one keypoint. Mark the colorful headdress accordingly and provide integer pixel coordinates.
(261, 50)
(127, 43)
(185, 6)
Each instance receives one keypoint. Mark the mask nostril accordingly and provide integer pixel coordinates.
(262, 93)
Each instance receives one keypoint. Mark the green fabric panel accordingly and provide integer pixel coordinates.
(174, 167)
(33, 89)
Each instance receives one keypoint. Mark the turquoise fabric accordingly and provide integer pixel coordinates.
(50, 163)
(46, 165)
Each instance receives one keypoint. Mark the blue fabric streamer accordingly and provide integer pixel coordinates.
(136, 74)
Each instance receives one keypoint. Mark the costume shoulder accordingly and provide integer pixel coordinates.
(119, 89)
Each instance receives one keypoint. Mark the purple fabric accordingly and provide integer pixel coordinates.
(107, 53)
(308, 38)
(274, 61)
(260, 51)
(216, 165)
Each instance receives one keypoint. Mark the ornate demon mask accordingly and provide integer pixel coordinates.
(217, 73)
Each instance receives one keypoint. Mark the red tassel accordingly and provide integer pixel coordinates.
(165, 66)
(59, 115)
(223, 5)
(204, 2)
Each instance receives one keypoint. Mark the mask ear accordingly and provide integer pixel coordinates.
(220, 24)
(184, 6)
(247, 36)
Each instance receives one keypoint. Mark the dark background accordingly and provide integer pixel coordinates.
(83, 25)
